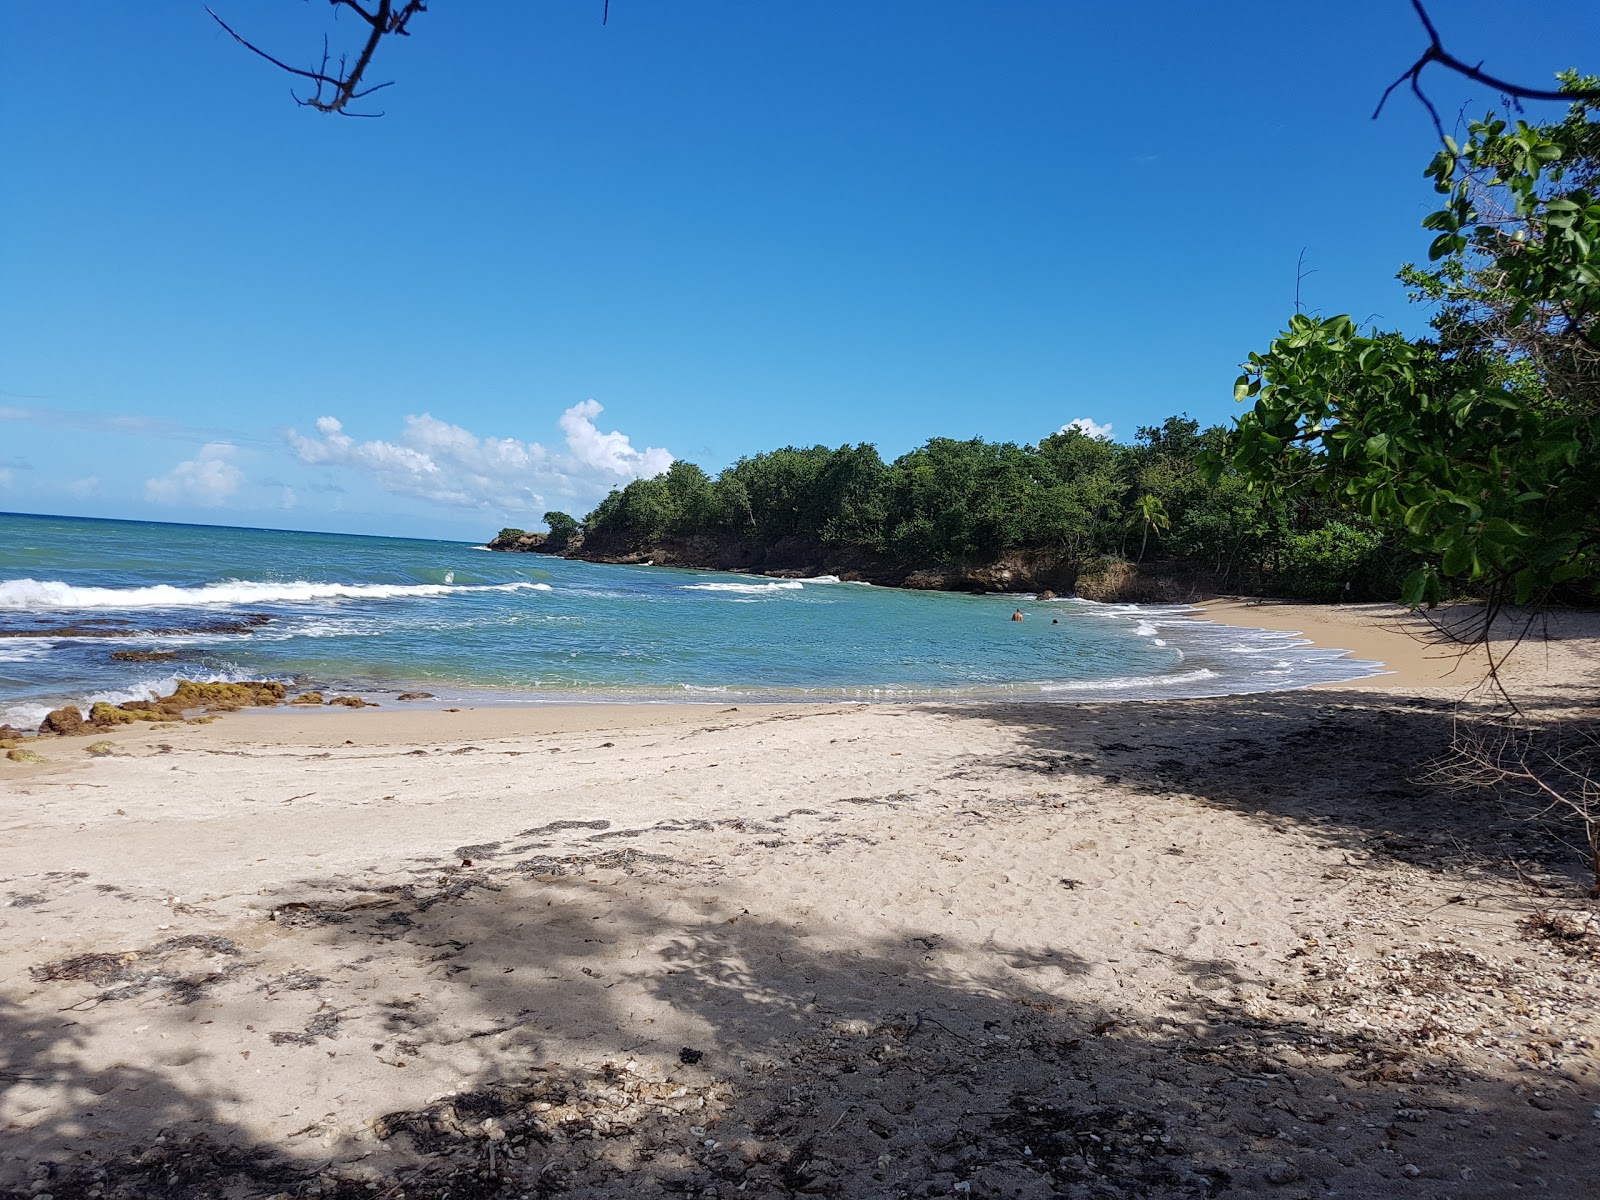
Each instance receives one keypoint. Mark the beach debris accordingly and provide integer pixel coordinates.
(689, 1055)
(578, 864)
(296, 980)
(328, 912)
(1575, 933)
(1101, 1145)
(415, 696)
(325, 1024)
(100, 749)
(171, 963)
(307, 698)
(20, 755)
(565, 1107)
(352, 702)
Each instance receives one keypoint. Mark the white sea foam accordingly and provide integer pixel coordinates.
(45, 595)
(22, 650)
(781, 585)
(1145, 629)
(1128, 683)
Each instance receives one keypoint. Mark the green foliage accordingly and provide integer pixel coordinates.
(562, 526)
(1328, 562)
(1474, 448)
(509, 535)
(953, 502)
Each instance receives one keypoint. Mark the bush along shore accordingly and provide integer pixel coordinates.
(1074, 514)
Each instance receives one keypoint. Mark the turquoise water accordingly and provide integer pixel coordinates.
(379, 615)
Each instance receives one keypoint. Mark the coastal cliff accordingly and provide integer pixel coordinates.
(1106, 579)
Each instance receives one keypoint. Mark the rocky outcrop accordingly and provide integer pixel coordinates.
(516, 541)
(213, 697)
(1118, 581)
(64, 722)
(1108, 580)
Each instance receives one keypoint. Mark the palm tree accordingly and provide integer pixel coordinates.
(1154, 516)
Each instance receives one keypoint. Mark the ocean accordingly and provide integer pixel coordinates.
(378, 616)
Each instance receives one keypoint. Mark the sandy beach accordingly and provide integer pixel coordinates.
(1190, 948)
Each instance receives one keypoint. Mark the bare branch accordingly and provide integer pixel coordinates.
(1539, 770)
(336, 89)
(1436, 53)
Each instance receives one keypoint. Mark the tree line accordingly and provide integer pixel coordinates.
(1370, 464)
(950, 503)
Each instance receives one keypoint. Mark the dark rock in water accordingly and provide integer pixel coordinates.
(517, 541)
(1047, 594)
(307, 698)
(64, 722)
(145, 656)
(415, 696)
(113, 627)
(352, 702)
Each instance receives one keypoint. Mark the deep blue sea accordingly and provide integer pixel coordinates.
(384, 615)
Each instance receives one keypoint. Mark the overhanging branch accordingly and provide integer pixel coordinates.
(1436, 53)
(335, 89)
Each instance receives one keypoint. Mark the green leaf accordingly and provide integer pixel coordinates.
(1414, 588)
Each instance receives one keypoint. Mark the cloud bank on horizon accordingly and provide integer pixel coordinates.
(445, 464)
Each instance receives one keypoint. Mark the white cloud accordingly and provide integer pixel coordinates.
(208, 479)
(446, 464)
(87, 486)
(1087, 425)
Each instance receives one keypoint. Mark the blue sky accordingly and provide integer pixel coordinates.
(568, 252)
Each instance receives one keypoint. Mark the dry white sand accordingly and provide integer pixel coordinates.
(1169, 949)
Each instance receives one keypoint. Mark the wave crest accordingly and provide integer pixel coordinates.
(781, 585)
(34, 595)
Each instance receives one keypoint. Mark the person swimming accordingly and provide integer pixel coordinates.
(1017, 616)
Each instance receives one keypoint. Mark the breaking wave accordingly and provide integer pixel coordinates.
(23, 595)
(781, 585)
(1132, 683)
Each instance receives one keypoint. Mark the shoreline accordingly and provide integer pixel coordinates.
(1359, 635)
(840, 949)
(1379, 632)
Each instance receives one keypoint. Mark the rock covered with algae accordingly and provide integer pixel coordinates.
(213, 697)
